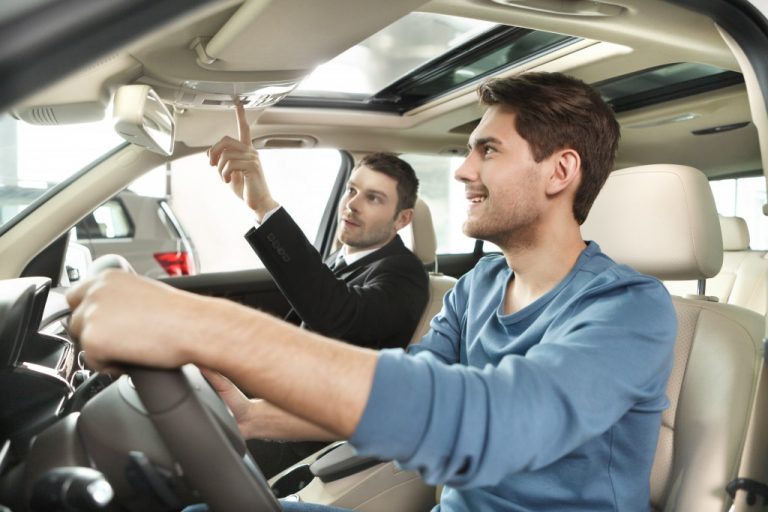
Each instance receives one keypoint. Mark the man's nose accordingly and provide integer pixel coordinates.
(352, 204)
(467, 171)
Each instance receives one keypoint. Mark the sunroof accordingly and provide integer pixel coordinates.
(664, 83)
(417, 58)
(389, 54)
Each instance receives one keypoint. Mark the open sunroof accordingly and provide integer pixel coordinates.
(424, 56)
(418, 58)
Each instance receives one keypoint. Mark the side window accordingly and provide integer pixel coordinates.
(215, 220)
(445, 197)
(181, 219)
(109, 220)
(744, 197)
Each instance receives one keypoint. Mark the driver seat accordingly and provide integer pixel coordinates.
(661, 220)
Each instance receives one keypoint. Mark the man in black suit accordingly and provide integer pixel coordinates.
(371, 293)
(375, 299)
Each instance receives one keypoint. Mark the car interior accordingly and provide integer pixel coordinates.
(687, 80)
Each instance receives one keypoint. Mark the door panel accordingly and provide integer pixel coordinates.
(253, 288)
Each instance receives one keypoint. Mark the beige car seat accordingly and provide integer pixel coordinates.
(423, 243)
(661, 220)
(743, 276)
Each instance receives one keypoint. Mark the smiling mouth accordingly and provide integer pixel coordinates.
(476, 198)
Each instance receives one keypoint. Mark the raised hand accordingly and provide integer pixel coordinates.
(238, 165)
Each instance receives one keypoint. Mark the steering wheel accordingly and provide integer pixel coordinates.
(196, 427)
(202, 435)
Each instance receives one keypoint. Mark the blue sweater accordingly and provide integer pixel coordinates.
(555, 407)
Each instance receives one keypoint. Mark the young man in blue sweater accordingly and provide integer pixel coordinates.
(539, 387)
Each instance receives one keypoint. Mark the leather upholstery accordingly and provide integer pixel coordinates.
(423, 243)
(661, 219)
(422, 240)
(743, 278)
(735, 234)
(652, 218)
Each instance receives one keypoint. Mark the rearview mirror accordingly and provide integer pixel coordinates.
(142, 118)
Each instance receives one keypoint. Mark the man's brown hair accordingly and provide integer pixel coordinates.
(399, 170)
(554, 111)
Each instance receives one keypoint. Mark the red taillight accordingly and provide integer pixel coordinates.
(176, 263)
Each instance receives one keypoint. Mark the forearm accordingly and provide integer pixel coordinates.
(321, 381)
(266, 421)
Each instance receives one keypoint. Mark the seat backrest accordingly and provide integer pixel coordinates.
(741, 280)
(423, 242)
(661, 220)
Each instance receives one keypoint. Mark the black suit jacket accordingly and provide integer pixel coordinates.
(375, 302)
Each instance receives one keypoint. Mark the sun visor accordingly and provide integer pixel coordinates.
(256, 36)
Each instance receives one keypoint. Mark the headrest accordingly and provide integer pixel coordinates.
(423, 241)
(659, 219)
(735, 234)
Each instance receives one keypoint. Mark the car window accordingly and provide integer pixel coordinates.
(36, 158)
(744, 197)
(446, 200)
(215, 220)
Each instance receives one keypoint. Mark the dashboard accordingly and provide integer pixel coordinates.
(68, 435)
(37, 359)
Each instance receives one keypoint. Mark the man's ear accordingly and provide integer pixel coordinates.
(403, 218)
(566, 171)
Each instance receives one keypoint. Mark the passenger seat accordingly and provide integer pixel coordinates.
(423, 242)
(743, 279)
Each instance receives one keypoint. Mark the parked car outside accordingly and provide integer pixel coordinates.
(142, 229)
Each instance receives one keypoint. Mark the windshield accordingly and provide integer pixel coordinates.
(34, 158)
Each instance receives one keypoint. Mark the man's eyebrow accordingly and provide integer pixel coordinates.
(480, 141)
(376, 192)
(367, 190)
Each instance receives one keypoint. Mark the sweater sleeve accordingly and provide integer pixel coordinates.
(470, 427)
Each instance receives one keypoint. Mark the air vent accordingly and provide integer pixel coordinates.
(103, 61)
(43, 116)
(50, 115)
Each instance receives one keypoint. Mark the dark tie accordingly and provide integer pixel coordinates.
(338, 265)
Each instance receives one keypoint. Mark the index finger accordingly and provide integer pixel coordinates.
(243, 130)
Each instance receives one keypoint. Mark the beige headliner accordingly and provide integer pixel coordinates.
(647, 34)
(272, 39)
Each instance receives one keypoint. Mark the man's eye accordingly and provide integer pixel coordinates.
(487, 150)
